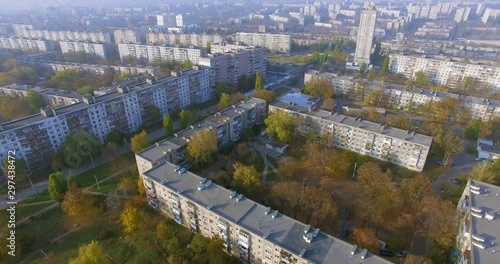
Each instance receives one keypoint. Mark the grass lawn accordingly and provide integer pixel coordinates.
(39, 197)
(26, 210)
(271, 175)
(88, 179)
(252, 158)
(111, 184)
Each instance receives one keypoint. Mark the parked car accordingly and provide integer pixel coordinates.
(455, 181)
(402, 254)
(386, 253)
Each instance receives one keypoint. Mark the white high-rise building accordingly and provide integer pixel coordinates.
(166, 20)
(365, 36)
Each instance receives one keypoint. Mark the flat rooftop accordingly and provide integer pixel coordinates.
(358, 123)
(300, 99)
(282, 231)
(489, 202)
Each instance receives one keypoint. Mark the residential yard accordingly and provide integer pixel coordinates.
(101, 172)
(110, 184)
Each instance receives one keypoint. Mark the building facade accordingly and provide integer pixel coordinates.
(364, 41)
(129, 36)
(27, 31)
(159, 53)
(401, 147)
(100, 50)
(229, 66)
(400, 96)
(25, 44)
(445, 72)
(229, 125)
(123, 107)
(250, 231)
(197, 40)
(278, 42)
(479, 223)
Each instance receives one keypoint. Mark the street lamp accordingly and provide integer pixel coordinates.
(354, 172)
(93, 165)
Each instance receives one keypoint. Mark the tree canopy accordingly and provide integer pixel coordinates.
(280, 124)
(259, 81)
(90, 253)
(81, 207)
(247, 179)
(319, 87)
(57, 186)
(168, 125)
(139, 141)
(202, 147)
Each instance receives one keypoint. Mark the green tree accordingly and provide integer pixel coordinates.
(115, 137)
(80, 146)
(208, 47)
(202, 147)
(259, 81)
(365, 238)
(168, 125)
(420, 78)
(319, 87)
(188, 64)
(57, 186)
(186, 118)
(221, 88)
(155, 114)
(246, 179)
(280, 124)
(385, 66)
(140, 141)
(362, 69)
(140, 186)
(90, 253)
(35, 100)
(452, 145)
(372, 74)
(71, 181)
(14, 107)
(473, 128)
(224, 102)
(266, 95)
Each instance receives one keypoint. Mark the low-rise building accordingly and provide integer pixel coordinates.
(97, 49)
(278, 42)
(123, 107)
(479, 223)
(229, 124)
(153, 54)
(230, 66)
(486, 150)
(401, 147)
(250, 231)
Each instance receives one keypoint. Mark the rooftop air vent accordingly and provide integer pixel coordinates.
(475, 191)
(475, 187)
(201, 187)
(363, 253)
(475, 209)
(478, 238)
(180, 191)
(478, 244)
(210, 206)
(308, 238)
(489, 216)
(232, 195)
(239, 197)
(306, 230)
(164, 182)
(477, 215)
(302, 252)
(353, 250)
(266, 234)
(268, 210)
(275, 214)
(203, 180)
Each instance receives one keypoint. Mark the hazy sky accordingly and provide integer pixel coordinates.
(40, 4)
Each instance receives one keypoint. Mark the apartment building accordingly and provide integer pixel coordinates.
(229, 124)
(278, 42)
(364, 41)
(250, 231)
(197, 40)
(445, 72)
(93, 69)
(123, 107)
(129, 36)
(229, 66)
(27, 31)
(479, 223)
(401, 97)
(51, 96)
(159, 53)
(25, 44)
(100, 50)
(401, 147)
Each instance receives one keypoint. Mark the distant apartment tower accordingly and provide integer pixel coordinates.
(27, 31)
(278, 42)
(171, 39)
(229, 66)
(182, 20)
(462, 14)
(25, 44)
(445, 72)
(365, 36)
(166, 20)
(97, 49)
(159, 53)
(123, 107)
(132, 36)
(490, 13)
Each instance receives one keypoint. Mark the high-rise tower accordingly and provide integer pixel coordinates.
(365, 35)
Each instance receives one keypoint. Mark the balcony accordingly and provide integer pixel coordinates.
(176, 211)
